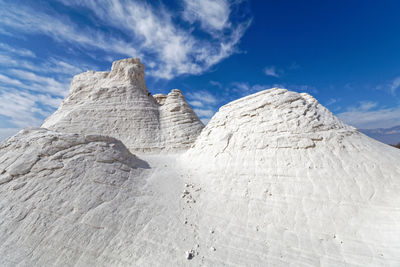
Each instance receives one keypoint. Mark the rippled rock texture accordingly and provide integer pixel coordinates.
(274, 179)
(118, 104)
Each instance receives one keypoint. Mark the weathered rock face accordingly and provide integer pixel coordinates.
(270, 119)
(300, 187)
(274, 179)
(118, 104)
(52, 186)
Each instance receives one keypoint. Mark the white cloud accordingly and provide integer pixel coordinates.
(30, 81)
(213, 15)
(7, 132)
(271, 71)
(395, 85)
(331, 101)
(244, 88)
(366, 116)
(196, 103)
(204, 113)
(204, 102)
(61, 29)
(10, 61)
(202, 96)
(19, 51)
(157, 38)
(390, 86)
(215, 83)
(10, 81)
(60, 66)
(364, 106)
(24, 109)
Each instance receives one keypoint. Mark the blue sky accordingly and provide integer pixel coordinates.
(345, 53)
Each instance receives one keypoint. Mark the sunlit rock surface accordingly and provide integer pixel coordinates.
(286, 182)
(274, 179)
(118, 104)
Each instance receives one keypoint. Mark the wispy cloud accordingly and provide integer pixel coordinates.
(217, 84)
(10, 81)
(213, 15)
(245, 88)
(272, 71)
(20, 51)
(203, 96)
(7, 132)
(367, 115)
(207, 113)
(331, 101)
(24, 109)
(395, 85)
(168, 48)
(390, 86)
(20, 79)
(60, 28)
(196, 103)
(205, 104)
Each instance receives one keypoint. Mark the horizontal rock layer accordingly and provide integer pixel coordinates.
(118, 104)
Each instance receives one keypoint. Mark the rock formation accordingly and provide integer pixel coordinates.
(300, 187)
(118, 104)
(274, 179)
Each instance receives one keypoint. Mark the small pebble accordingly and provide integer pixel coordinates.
(189, 254)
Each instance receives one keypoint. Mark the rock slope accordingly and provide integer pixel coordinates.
(118, 104)
(274, 179)
(287, 183)
(57, 193)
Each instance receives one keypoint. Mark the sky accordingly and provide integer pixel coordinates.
(344, 53)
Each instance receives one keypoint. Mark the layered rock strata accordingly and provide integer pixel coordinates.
(118, 104)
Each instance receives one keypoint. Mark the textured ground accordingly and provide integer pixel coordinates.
(273, 180)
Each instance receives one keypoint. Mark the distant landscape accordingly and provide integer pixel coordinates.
(389, 136)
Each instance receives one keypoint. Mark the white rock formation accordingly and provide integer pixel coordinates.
(287, 183)
(74, 200)
(274, 179)
(118, 104)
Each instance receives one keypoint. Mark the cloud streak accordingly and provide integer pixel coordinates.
(24, 109)
(169, 48)
(272, 71)
(205, 104)
(367, 116)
